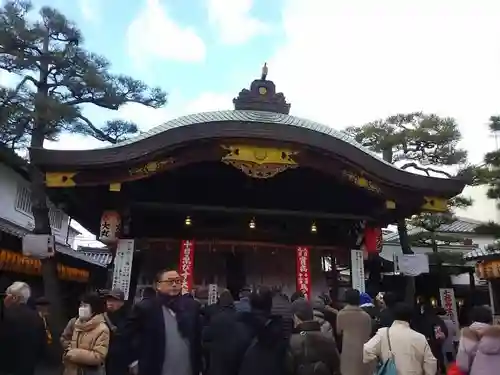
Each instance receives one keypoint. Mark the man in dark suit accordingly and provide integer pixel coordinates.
(22, 333)
(166, 331)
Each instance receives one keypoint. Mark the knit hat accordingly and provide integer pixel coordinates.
(364, 298)
(302, 309)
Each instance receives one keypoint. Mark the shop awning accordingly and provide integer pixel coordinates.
(17, 231)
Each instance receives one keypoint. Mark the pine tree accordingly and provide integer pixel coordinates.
(490, 174)
(57, 79)
(423, 142)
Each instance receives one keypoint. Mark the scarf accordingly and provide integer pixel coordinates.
(175, 304)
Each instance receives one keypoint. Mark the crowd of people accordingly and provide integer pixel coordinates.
(263, 332)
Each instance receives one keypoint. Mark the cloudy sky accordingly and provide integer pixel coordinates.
(338, 62)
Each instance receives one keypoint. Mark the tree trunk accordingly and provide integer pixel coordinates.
(40, 212)
(404, 241)
(39, 199)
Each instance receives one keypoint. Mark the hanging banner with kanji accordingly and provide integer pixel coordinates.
(303, 271)
(449, 304)
(186, 265)
(357, 270)
(122, 270)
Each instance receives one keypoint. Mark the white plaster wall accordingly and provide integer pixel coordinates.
(9, 182)
(483, 209)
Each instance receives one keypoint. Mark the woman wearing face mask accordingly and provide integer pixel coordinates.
(86, 351)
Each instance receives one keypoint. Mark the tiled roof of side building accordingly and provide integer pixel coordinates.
(459, 226)
(18, 231)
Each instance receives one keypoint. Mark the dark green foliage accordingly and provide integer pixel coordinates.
(58, 77)
(490, 174)
(414, 137)
(425, 142)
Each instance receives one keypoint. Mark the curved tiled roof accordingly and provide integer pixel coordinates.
(250, 116)
(244, 124)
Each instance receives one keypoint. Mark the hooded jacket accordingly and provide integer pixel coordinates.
(479, 349)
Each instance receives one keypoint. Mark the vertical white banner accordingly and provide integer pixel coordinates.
(357, 270)
(212, 294)
(122, 270)
(449, 304)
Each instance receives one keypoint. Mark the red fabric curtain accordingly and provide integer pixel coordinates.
(373, 240)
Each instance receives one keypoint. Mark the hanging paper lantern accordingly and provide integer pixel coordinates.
(480, 271)
(109, 231)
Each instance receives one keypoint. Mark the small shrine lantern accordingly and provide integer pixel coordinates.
(109, 231)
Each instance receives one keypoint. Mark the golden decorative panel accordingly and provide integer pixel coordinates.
(259, 162)
(435, 204)
(390, 205)
(361, 181)
(60, 179)
(115, 187)
(150, 168)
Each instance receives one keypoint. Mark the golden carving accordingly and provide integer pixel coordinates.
(390, 205)
(115, 187)
(60, 179)
(435, 204)
(362, 181)
(259, 162)
(150, 168)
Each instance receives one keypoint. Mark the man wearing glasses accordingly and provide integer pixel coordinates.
(166, 332)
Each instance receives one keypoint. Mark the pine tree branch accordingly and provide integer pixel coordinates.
(427, 170)
(97, 133)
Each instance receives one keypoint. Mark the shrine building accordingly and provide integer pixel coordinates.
(248, 196)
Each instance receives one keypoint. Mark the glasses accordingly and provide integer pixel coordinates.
(171, 281)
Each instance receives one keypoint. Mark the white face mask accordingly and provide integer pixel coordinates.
(84, 312)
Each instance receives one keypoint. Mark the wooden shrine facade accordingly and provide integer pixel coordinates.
(254, 174)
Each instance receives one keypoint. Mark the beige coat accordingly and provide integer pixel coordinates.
(354, 326)
(88, 346)
(411, 351)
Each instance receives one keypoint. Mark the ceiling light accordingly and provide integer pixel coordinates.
(314, 229)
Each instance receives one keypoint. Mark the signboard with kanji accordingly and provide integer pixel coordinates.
(449, 304)
(303, 272)
(357, 270)
(186, 265)
(122, 270)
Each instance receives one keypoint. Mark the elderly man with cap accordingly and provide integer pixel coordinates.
(310, 350)
(115, 317)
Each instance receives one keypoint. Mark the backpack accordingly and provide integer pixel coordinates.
(389, 366)
(314, 368)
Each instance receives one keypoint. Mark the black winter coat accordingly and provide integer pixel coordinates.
(22, 340)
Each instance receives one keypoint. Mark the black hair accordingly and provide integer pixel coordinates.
(403, 311)
(95, 301)
(226, 299)
(262, 300)
(390, 299)
(296, 295)
(482, 314)
(352, 297)
(440, 311)
(160, 274)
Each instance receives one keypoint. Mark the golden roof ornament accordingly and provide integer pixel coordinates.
(262, 96)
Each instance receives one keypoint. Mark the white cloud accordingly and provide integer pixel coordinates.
(89, 9)
(348, 62)
(154, 35)
(233, 20)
